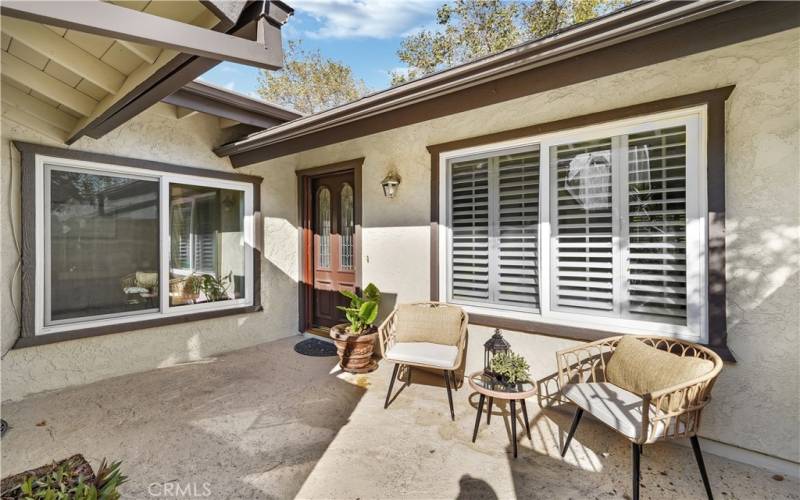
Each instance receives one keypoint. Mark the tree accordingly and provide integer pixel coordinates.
(309, 82)
(470, 29)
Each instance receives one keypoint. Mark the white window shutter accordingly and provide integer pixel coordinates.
(469, 218)
(582, 226)
(517, 226)
(656, 242)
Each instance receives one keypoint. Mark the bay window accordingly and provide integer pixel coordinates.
(118, 244)
(600, 227)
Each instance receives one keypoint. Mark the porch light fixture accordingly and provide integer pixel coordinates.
(390, 183)
(494, 346)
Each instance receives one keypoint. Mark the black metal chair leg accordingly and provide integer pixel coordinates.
(635, 463)
(489, 412)
(525, 416)
(575, 421)
(391, 385)
(449, 395)
(478, 417)
(698, 455)
(514, 426)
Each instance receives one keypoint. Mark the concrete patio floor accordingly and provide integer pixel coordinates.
(266, 422)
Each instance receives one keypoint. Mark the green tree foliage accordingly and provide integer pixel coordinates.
(470, 29)
(309, 82)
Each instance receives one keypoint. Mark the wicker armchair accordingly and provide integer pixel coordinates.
(426, 335)
(667, 413)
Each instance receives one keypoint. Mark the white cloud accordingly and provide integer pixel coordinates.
(365, 18)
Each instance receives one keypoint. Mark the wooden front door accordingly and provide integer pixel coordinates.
(333, 245)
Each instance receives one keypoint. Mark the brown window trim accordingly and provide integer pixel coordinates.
(714, 100)
(28, 153)
(305, 285)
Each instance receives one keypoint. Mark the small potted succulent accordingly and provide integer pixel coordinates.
(355, 341)
(510, 369)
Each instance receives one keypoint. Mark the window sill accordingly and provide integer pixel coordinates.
(81, 333)
(566, 332)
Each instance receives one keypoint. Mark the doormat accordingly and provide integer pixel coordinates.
(315, 347)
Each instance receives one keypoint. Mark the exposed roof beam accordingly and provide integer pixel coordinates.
(27, 120)
(187, 99)
(105, 19)
(14, 97)
(181, 113)
(226, 123)
(226, 10)
(25, 74)
(47, 42)
(146, 53)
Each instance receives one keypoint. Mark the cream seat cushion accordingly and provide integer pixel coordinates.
(617, 408)
(424, 353)
(642, 369)
(437, 324)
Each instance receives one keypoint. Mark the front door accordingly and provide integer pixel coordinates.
(334, 245)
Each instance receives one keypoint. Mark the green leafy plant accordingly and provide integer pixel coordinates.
(511, 368)
(215, 288)
(70, 479)
(362, 311)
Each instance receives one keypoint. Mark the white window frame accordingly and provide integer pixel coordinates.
(44, 164)
(696, 328)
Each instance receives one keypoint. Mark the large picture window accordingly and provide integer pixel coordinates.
(602, 226)
(117, 244)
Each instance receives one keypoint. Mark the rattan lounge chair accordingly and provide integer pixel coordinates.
(425, 335)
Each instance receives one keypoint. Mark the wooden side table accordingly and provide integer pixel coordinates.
(486, 386)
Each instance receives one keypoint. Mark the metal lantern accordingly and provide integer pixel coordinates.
(494, 346)
(390, 183)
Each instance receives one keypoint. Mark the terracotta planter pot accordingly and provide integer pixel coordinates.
(355, 351)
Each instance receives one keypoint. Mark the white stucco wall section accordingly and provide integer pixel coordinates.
(157, 136)
(757, 401)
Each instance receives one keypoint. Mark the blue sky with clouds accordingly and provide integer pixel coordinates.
(364, 34)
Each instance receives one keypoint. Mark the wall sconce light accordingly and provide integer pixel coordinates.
(390, 183)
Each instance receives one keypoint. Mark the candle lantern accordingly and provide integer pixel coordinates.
(494, 346)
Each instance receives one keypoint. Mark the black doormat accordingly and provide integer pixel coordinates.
(315, 347)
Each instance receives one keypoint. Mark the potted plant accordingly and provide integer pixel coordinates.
(355, 341)
(510, 369)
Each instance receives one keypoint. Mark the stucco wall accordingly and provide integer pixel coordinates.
(157, 136)
(757, 401)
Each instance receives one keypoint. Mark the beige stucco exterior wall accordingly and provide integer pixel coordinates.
(153, 135)
(756, 402)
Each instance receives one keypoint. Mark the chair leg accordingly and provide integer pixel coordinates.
(391, 385)
(449, 395)
(575, 421)
(698, 455)
(635, 462)
(489, 413)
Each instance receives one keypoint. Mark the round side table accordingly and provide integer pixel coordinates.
(487, 386)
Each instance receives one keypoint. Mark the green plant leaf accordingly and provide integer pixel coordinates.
(350, 295)
(372, 293)
(368, 312)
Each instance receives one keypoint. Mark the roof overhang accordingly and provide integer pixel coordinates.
(643, 34)
(57, 84)
(231, 106)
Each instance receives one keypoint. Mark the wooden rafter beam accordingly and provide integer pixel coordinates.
(47, 42)
(30, 76)
(105, 19)
(16, 98)
(227, 11)
(189, 100)
(146, 53)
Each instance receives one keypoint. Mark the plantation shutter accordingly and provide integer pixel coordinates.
(469, 215)
(205, 238)
(656, 242)
(181, 237)
(582, 223)
(517, 229)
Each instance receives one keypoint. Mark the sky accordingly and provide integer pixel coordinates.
(364, 34)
